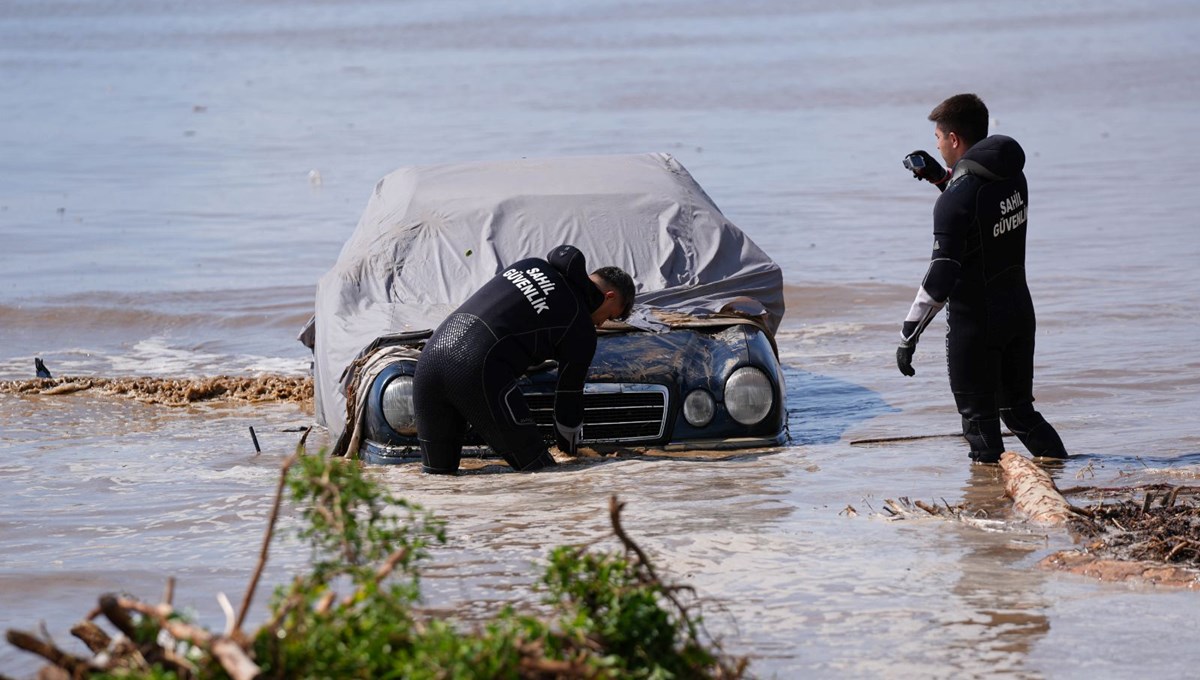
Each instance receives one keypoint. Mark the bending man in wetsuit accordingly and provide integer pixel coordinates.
(532, 311)
(978, 267)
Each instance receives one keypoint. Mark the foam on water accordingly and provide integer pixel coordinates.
(153, 356)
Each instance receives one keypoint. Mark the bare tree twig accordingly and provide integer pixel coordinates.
(169, 592)
(389, 565)
(266, 543)
(614, 511)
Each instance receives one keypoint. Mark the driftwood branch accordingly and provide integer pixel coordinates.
(111, 607)
(151, 652)
(234, 659)
(161, 615)
(227, 650)
(912, 437)
(1032, 491)
(118, 611)
(75, 666)
(92, 635)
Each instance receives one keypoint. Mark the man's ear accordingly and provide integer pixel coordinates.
(955, 140)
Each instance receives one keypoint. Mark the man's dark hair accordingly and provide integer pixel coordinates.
(963, 114)
(622, 283)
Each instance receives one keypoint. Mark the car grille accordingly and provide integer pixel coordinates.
(612, 412)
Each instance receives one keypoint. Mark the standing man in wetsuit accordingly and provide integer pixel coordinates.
(978, 266)
(532, 311)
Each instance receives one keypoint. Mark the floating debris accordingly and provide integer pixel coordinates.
(904, 508)
(1148, 533)
(1167, 533)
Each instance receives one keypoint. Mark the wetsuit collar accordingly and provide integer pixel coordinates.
(967, 166)
(993, 158)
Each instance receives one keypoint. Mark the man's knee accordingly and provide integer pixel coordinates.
(976, 405)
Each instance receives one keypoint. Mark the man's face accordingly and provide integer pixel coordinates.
(948, 144)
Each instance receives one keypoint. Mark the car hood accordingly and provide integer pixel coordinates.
(645, 357)
(685, 355)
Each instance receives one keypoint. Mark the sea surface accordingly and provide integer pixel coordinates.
(175, 176)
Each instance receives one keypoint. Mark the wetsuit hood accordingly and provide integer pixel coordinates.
(993, 158)
(573, 265)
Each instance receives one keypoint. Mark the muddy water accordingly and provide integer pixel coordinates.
(176, 177)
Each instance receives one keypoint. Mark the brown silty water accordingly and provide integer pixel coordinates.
(161, 219)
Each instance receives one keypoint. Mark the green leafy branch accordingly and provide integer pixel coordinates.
(612, 614)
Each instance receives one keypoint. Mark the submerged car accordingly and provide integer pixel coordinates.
(695, 365)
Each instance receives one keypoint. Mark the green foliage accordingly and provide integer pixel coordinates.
(362, 535)
(353, 524)
(613, 617)
(635, 618)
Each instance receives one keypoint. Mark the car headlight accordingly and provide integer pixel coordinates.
(698, 408)
(748, 395)
(398, 405)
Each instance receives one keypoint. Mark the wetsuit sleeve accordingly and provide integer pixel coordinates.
(574, 358)
(951, 218)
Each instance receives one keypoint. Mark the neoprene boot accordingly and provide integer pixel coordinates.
(981, 425)
(984, 438)
(1035, 433)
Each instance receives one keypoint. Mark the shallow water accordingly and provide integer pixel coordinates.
(176, 177)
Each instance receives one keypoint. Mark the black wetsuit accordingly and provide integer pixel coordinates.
(978, 266)
(532, 311)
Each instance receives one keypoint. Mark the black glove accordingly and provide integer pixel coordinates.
(923, 166)
(904, 355)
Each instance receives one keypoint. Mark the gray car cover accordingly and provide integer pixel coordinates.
(430, 236)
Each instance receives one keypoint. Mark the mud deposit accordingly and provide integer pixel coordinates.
(173, 391)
